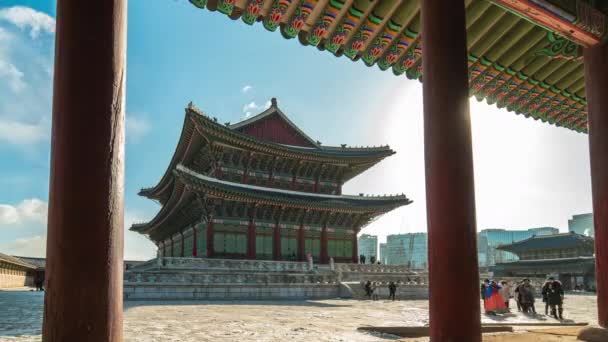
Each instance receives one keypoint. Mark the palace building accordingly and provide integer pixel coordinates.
(567, 257)
(261, 189)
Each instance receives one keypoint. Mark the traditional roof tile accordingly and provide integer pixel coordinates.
(539, 242)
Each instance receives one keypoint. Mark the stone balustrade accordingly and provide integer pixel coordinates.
(373, 268)
(229, 265)
(227, 278)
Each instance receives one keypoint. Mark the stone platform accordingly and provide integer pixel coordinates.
(223, 279)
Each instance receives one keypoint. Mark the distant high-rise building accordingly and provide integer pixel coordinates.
(489, 239)
(482, 250)
(582, 224)
(383, 257)
(368, 246)
(407, 249)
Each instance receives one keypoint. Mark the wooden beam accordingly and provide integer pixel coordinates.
(552, 18)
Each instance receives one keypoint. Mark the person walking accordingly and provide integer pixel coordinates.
(555, 298)
(392, 289)
(483, 289)
(368, 289)
(505, 292)
(375, 290)
(516, 296)
(544, 291)
(526, 297)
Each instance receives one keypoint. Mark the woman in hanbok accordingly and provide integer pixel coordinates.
(493, 302)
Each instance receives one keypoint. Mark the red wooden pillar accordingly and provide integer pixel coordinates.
(194, 242)
(164, 250)
(83, 298)
(210, 238)
(324, 255)
(251, 236)
(596, 81)
(301, 243)
(172, 247)
(355, 254)
(452, 250)
(276, 241)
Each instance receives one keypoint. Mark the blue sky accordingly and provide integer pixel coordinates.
(527, 173)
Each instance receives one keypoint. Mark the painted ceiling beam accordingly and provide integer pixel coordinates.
(587, 27)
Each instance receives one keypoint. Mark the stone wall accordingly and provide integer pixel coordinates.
(14, 276)
(174, 291)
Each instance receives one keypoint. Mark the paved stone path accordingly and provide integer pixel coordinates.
(319, 320)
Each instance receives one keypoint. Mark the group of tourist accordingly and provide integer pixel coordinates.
(372, 289)
(496, 297)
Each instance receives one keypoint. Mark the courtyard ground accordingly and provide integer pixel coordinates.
(318, 320)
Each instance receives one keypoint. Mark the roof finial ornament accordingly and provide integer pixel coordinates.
(273, 102)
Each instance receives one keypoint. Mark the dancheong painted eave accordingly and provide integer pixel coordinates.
(183, 207)
(524, 55)
(199, 130)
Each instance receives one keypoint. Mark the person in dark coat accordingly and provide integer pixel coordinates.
(544, 290)
(516, 297)
(555, 298)
(368, 289)
(526, 297)
(392, 289)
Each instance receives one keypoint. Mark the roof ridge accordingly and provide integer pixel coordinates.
(274, 108)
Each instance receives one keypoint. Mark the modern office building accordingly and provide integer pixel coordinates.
(407, 249)
(368, 246)
(383, 257)
(582, 224)
(489, 239)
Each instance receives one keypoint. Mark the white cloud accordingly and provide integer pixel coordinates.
(13, 75)
(25, 77)
(32, 210)
(137, 127)
(33, 246)
(246, 89)
(28, 18)
(137, 246)
(8, 214)
(252, 107)
(19, 133)
(4, 35)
